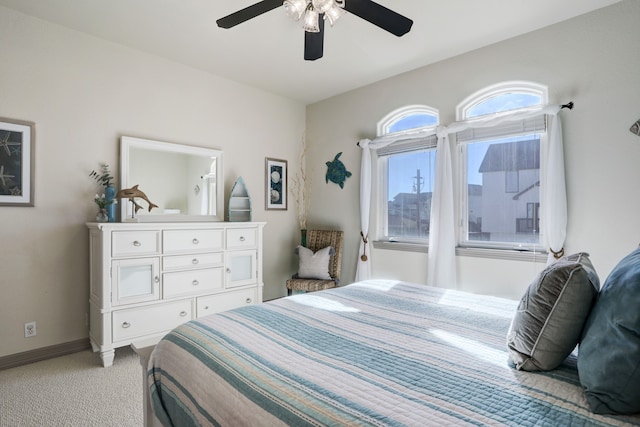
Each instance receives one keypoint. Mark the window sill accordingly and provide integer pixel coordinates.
(400, 246)
(504, 254)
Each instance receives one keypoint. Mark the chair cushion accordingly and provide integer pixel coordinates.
(314, 265)
(609, 353)
(549, 320)
(310, 285)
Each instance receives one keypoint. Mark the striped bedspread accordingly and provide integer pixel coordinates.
(374, 353)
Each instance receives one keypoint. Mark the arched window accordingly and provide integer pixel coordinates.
(502, 97)
(500, 168)
(408, 118)
(407, 167)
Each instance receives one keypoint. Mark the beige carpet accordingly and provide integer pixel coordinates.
(73, 390)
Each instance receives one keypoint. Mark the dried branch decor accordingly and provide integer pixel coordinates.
(299, 187)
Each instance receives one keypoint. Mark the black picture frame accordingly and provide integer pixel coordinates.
(17, 162)
(276, 187)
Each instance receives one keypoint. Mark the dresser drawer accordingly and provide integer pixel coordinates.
(179, 262)
(241, 238)
(135, 243)
(137, 322)
(182, 241)
(192, 282)
(226, 301)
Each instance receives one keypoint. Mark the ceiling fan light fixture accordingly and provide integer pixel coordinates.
(295, 8)
(314, 13)
(333, 14)
(322, 5)
(310, 21)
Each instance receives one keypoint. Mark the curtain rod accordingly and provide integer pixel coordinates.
(568, 105)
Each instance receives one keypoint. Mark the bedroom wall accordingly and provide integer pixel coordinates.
(83, 93)
(592, 59)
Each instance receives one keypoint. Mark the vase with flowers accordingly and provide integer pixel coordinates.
(105, 178)
(102, 203)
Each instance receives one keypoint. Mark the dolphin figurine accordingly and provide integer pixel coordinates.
(131, 194)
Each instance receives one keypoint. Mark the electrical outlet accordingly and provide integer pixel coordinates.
(30, 329)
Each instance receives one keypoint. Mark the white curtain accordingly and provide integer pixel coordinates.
(442, 242)
(363, 269)
(442, 233)
(554, 198)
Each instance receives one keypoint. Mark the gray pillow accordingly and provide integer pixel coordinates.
(609, 352)
(551, 315)
(314, 265)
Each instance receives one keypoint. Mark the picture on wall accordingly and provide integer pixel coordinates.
(276, 184)
(17, 140)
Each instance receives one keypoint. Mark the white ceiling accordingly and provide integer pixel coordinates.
(267, 52)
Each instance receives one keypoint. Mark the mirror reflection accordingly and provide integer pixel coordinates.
(185, 182)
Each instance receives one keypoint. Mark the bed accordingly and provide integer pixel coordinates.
(374, 353)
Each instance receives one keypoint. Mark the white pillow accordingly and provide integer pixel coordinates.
(314, 265)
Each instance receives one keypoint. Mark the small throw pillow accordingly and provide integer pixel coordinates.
(314, 265)
(609, 353)
(551, 315)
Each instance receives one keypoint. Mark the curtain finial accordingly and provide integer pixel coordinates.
(635, 128)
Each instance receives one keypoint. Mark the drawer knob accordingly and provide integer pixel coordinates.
(229, 270)
(126, 325)
(206, 307)
(195, 261)
(156, 279)
(136, 243)
(248, 301)
(195, 241)
(183, 313)
(195, 283)
(242, 238)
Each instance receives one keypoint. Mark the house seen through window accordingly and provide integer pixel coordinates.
(407, 175)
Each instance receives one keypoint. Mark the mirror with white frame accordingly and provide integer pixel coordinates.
(185, 182)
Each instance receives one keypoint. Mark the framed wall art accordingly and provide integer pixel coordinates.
(276, 184)
(17, 142)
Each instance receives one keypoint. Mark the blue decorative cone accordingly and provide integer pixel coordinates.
(110, 195)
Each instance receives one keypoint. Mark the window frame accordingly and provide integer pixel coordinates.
(382, 165)
(463, 108)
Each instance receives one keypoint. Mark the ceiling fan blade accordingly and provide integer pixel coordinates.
(379, 15)
(314, 42)
(247, 13)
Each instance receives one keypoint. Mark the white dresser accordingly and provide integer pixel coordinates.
(147, 278)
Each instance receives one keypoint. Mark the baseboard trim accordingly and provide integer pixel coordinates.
(44, 353)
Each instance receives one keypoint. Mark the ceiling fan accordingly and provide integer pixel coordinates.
(315, 12)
